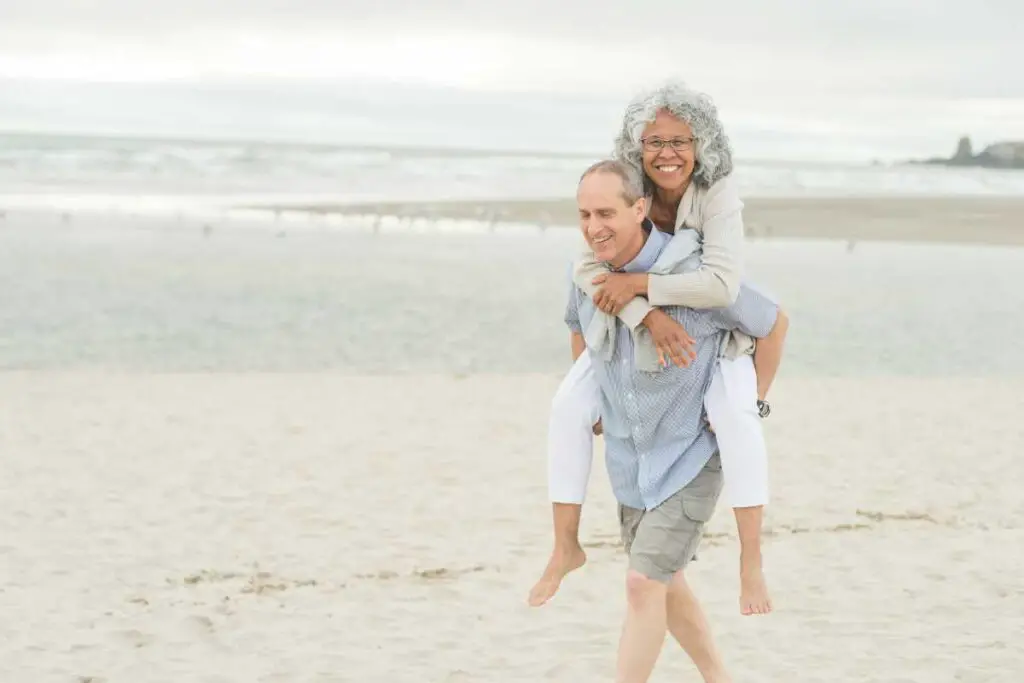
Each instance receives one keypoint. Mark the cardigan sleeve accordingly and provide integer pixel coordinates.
(717, 282)
(584, 272)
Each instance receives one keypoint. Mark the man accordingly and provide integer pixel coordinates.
(660, 455)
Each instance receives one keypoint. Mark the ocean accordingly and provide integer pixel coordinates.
(173, 147)
(144, 174)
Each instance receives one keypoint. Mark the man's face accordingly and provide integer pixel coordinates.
(668, 152)
(612, 227)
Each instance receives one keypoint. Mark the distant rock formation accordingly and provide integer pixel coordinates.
(998, 155)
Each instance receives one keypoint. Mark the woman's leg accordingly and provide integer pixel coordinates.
(731, 404)
(575, 409)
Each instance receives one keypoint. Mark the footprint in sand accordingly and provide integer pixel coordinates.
(199, 624)
(136, 638)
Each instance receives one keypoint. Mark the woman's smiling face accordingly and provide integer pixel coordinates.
(668, 154)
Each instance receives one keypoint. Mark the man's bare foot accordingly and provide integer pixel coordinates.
(754, 597)
(561, 563)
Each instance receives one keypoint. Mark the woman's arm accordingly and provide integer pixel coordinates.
(717, 282)
(587, 268)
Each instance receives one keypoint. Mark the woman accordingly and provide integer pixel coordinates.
(674, 136)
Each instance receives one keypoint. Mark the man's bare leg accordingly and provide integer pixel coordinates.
(689, 626)
(754, 598)
(566, 556)
(643, 631)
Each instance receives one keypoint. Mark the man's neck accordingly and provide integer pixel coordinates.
(632, 252)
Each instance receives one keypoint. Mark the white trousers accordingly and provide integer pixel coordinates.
(731, 405)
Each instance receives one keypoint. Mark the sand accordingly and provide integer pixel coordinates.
(327, 527)
(245, 452)
(986, 220)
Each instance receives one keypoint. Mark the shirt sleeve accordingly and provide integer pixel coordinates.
(572, 307)
(753, 313)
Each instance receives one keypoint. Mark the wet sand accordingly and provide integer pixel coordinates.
(986, 220)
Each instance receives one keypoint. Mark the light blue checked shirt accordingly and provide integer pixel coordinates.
(656, 439)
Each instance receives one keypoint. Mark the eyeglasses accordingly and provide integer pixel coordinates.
(657, 144)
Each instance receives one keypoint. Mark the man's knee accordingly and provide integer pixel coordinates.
(678, 588)
(641, 590)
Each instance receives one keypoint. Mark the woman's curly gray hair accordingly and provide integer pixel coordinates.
(712, 151)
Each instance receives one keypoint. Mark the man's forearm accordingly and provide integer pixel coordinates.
(768, 354)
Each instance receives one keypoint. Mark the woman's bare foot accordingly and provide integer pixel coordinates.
(563, 561)
(754, 597)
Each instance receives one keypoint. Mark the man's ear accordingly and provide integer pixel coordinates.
(640, 207)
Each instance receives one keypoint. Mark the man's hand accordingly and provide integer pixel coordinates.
(617, 290)
(598, 428)
(670, 338)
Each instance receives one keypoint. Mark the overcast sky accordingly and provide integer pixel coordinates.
(911, 48)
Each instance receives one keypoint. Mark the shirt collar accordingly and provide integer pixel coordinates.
(655, 243)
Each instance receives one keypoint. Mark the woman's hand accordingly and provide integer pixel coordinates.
(617, 290)
(674, 344)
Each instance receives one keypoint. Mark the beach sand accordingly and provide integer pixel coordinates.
(328, 527)
(986, 220)
(247, 452)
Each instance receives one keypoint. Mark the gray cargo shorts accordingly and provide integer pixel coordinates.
(662, 541)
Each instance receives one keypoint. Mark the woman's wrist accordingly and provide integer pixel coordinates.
(639, 283)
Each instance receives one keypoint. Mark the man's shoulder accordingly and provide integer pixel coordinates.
(674, 249)
(579, 299)
(759, 291)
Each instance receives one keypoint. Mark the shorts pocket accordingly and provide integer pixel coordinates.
(700, 496)
(714, 464)
(699, 509)
(629, 519)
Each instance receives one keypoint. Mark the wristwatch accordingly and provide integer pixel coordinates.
(763, 408)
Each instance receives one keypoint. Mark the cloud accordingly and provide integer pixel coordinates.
(739, 48)
(825, 23)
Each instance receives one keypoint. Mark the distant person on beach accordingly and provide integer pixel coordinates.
(673, 139)
(661, 456)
